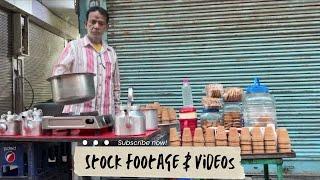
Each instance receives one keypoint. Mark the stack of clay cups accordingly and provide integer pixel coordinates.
(245, 141)
(221, 137)
(174, 138)
(270, 141)
(157, 106)
(198, 139)
(172, 114)
(257, 141)
(233, 137)
(165, 115)
(209, 137)
(284, 142)
(186, 137)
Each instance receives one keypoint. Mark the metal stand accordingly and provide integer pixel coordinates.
(266, 159)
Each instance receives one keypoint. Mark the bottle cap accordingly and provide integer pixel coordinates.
(185, 81)
(257, 87)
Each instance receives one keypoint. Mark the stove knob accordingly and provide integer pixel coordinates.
(89, 121)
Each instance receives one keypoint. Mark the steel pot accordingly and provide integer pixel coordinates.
(151, 115)
(72, 88)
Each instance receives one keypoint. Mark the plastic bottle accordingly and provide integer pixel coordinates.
(259, 106)
(186, 93)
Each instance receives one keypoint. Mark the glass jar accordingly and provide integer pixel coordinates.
(259, 106)
(212, 103)
(210, 118)
(232, 116)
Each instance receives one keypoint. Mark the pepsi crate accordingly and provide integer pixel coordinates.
(12, 159)
(30, 160)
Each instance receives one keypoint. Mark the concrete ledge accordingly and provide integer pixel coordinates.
(42, 16)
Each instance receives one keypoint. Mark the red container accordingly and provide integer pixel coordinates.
(188, 123)
(187, 109)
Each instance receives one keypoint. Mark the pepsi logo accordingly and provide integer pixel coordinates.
(10, 157)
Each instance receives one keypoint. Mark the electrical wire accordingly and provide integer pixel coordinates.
(32, 91)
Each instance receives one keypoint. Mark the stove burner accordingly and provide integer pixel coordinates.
(77, 122)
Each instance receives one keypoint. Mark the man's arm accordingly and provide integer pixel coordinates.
(65, 61)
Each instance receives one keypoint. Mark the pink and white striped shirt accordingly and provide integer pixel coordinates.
(79, 56)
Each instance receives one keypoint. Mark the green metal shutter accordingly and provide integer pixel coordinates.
(6, 103)
(230, 42)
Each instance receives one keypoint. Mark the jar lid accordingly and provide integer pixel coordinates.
(256, 87)
(187, 109)
(229, 107)
(206, 110)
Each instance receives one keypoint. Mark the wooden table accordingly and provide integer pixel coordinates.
(266, 159)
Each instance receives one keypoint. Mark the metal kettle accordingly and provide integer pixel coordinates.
(10, 124)
(130, 120)
(3, 125)
(32, 122)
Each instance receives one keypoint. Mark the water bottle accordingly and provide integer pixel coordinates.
(259, 106)
(186, 93)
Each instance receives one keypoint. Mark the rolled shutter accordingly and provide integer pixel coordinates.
(230, 42)
(6, 101)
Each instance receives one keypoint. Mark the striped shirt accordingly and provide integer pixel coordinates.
(79, 56)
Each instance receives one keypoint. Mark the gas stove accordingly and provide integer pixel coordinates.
(76, 122)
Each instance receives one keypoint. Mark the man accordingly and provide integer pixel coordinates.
(91, 54)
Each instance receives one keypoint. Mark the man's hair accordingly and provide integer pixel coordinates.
(102, 11)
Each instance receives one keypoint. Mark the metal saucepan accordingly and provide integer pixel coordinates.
(72, 88)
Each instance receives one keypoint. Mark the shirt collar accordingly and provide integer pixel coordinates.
(87, 42)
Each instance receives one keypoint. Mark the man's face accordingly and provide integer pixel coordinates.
(96, 25)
